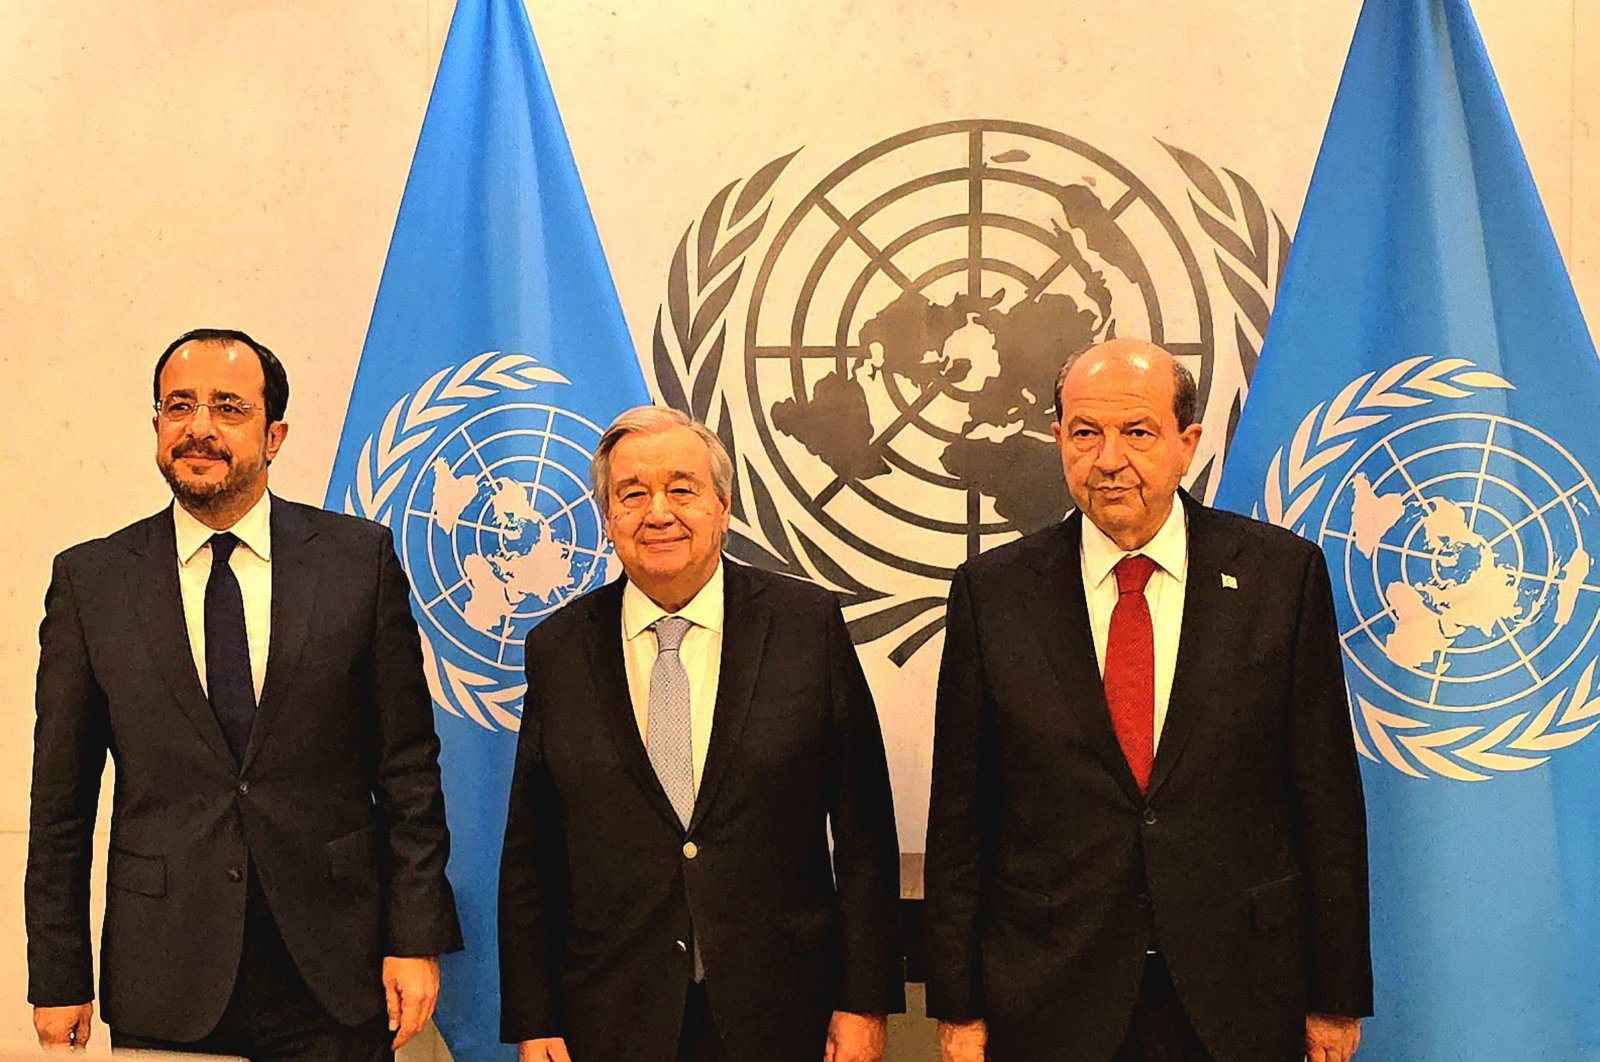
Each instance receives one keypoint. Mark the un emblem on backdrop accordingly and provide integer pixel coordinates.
(1460, 545)
(486, 489)
(896, 330)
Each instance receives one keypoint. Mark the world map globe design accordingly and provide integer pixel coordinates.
(909, 317)
(1464, 544)
(500, 529)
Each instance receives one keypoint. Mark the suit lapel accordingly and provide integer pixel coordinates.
(744, 634)
(158, 603)
(607, 667)
(1208, 643)
(1064, 635)
(295, 578)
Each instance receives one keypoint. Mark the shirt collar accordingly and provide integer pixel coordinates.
(703, 610)
(1169, 548)
(254, 529)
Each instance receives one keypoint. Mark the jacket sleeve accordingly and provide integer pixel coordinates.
(532, 887)
(954, 875)
(70, 739)
(419, 907)
(866, 848)
(1330, 813)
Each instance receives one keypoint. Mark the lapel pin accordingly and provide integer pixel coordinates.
(1229, 582)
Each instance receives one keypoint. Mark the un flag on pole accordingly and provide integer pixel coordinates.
(496, 355)
(1425, 408)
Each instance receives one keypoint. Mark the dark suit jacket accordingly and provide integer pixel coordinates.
(337, 803)
(597, 892)
(1049, 874)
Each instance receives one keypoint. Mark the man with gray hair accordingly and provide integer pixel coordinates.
(691, 736)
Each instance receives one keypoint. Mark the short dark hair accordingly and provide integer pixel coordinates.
(276, 388)
(1185, 392)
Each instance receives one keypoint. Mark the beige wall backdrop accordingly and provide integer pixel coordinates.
(171, 163)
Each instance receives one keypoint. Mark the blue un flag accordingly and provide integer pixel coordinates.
(1425, 409)
(497, 354)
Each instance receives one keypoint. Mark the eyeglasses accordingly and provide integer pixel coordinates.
(176, 409)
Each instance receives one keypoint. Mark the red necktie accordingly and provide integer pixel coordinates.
(1130, 675)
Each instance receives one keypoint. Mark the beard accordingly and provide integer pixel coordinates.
(204, 496)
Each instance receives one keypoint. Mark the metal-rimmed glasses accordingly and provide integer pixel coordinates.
(176, 409)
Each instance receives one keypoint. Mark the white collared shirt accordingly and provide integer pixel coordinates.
(700, 651)
(1164, 593)
(252, 566)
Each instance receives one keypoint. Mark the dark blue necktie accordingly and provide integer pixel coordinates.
(228, 683)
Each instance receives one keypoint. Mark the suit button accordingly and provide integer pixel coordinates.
(244, 787)
(682, 946)
(1149, 816)
(690, 850)
(235, 875)
(1143, 901)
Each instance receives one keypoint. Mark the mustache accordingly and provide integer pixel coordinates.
(196, 448)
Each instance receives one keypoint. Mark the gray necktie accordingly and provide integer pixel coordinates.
(667, 724)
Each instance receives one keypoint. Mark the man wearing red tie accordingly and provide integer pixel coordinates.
(1147, 839)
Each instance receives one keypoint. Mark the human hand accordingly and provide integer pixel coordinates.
(1331, 1037)
(64, 1026)
(549, 1049)
(962, 1041)
(411, 987)
(855, 1037)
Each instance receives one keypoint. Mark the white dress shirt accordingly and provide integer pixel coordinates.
(252, 566)
(700, 651)
(1164, 593)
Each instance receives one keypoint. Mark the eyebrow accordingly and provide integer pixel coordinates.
(1143, 420)
(672, 477)
(189, 392)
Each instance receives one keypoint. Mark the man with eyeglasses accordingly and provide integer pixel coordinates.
(275, 880)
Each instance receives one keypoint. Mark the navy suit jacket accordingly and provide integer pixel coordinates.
(337, 803)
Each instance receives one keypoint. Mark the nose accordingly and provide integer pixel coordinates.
(1112, 455)
(659, 512)
(198, 427)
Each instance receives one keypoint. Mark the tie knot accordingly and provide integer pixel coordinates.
(669, 633)
(222, 545)
(1133, 573)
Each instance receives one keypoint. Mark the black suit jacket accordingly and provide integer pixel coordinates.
(337, 803)
(598, 896)
(1049, 873)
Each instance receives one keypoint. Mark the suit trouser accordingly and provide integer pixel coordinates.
(1160, 1030)
(272, 1014)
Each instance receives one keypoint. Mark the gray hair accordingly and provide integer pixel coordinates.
(653, 420)
(1185, 392)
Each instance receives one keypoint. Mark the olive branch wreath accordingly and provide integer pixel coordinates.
(383, 464)
(1251, 247)
(1294, 480)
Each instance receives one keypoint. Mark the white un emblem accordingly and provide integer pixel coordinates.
(487, 492)
(1460, 544)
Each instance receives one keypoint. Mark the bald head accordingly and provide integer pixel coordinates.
(1142, 356)
(1125, 427)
